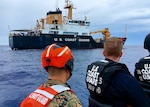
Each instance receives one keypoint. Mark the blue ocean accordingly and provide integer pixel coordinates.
(21, 71)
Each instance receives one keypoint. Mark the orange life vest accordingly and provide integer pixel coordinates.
(42, 96)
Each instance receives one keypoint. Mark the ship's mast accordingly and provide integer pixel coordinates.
(69, 6)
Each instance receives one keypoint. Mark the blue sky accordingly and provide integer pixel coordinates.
(114, 14)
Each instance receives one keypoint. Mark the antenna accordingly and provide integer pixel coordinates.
(66, 2)
(9, 28)
(125, 33)
(57, 4)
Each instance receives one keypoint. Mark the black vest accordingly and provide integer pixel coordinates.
(142, 70)
(99, 75)
(142, 73)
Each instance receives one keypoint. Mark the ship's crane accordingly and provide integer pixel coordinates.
(105, 32)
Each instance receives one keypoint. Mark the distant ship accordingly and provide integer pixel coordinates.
(56, 28)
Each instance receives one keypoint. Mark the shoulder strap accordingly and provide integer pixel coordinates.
(107, 69)
(108, 72)
(60, 88)
(51, 91)
(44, 95)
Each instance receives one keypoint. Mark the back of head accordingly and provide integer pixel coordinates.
(147, 42)
(113, 46)
(57, 55)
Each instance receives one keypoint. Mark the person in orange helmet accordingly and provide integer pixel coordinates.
(57, 60)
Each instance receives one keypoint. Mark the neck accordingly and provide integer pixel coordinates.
(60, 78)
(115, 59)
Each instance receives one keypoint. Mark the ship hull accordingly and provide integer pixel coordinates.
(39, 42)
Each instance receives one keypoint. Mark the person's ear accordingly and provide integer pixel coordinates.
(104, 53)
(121, 53)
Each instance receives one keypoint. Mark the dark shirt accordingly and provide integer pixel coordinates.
(125, 90)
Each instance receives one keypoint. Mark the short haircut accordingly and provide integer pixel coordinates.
(113, 46)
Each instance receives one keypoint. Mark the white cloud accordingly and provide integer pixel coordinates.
(102, 13)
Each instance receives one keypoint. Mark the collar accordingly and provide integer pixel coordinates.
(50, 82)
(108, 59)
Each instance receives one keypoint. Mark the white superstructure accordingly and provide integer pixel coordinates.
(54, 23)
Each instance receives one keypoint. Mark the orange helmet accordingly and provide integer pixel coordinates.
(57, 55)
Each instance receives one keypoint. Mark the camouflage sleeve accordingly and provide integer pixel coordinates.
(65, 99)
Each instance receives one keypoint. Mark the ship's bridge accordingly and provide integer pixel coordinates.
(79, 22)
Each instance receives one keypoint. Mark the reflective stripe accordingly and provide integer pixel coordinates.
(62, 52)
(104, 61)
(59, 88)
(45, 93)
(48, 50)
(147, 57)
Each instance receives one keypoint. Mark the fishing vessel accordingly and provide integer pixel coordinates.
(56, 28)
